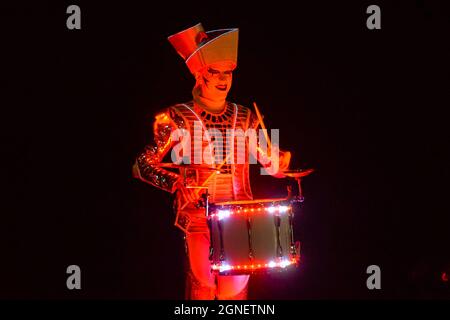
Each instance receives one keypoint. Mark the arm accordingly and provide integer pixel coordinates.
(284, 157)
(146, 165)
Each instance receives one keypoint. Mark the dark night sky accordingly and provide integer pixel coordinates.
(365, 108)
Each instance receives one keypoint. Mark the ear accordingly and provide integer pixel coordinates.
(198, 78)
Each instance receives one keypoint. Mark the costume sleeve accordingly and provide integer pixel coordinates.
(145, 167)
(262, 156)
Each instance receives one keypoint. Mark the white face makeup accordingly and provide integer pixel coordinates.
(216, 81)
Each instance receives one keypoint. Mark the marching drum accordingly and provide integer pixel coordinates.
(248, 236)
(251, 236)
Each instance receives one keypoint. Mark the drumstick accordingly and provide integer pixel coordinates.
(261, 123)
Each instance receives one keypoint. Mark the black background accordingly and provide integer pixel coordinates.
(365, 108)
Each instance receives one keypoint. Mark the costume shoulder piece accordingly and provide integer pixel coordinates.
(171, 116)
(180, 114)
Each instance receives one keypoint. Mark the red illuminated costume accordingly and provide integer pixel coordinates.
(211, 57)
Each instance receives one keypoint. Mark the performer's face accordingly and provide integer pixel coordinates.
(216, 80)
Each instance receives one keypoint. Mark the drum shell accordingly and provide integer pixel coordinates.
(250, 239)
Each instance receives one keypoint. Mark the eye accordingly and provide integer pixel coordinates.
(228, 72)
(212, 71)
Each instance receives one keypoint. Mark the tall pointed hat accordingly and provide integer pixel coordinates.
(199, 48)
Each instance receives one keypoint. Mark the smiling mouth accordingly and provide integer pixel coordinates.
(222, 87)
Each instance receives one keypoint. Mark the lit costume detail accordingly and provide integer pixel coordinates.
(201, 49)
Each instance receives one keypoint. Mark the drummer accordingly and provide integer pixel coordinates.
(211, 58)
